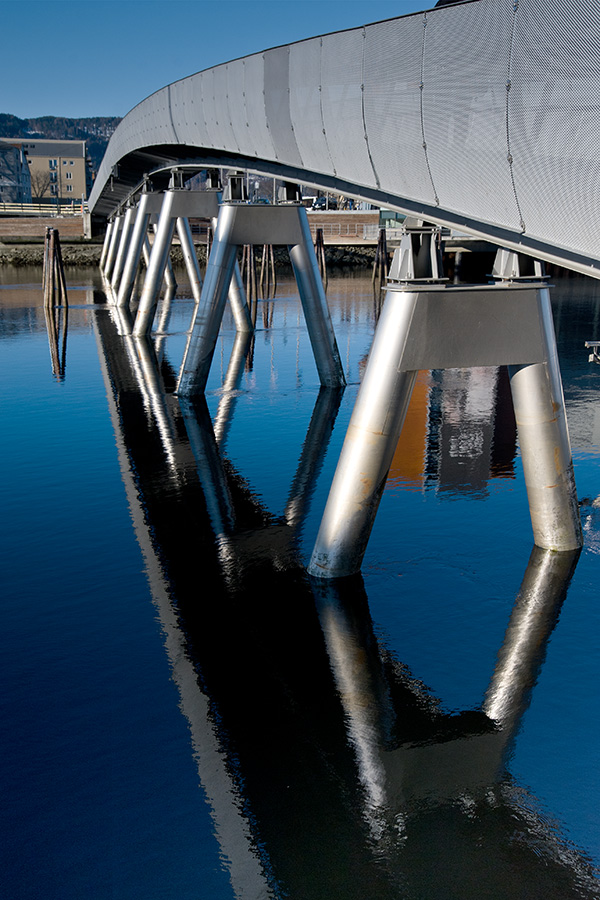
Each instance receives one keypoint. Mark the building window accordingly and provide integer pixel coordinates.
(52, 163)
(53, 189)
(52, 177)
(68, 174)
(69, 189)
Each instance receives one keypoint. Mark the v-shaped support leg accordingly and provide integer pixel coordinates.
(197, 360)
(436, 327)
(369, 446)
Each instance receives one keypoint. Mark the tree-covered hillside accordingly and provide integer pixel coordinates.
(95, 131)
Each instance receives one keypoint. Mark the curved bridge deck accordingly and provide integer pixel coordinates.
(483, 116)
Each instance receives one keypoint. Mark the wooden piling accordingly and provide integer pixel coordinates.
(249, 271)
(54, 284)
(56, 304)
(268, 281)
(381, 264)
(320, 254)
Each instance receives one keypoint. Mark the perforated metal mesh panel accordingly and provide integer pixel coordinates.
(277, 105)
(156, 117)
(214, 131)
(215, 109)
(342, 99)
(392, 106)
(236, 102)
(258, 138)
(464, 109)
(226, 135)
(186, 111)
(554, 121)
(305, 105)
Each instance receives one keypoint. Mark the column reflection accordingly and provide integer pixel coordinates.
(329, 769)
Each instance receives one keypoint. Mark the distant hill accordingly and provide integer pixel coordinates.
(95, 131)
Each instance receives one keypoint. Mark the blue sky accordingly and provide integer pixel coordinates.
(101, 57)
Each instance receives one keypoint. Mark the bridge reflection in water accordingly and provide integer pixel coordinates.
(329, 768)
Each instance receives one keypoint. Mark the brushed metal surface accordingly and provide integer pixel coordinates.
(483, 115)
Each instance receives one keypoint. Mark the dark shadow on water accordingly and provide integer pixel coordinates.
(331, 771)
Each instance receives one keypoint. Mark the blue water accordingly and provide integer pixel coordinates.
(177, 720)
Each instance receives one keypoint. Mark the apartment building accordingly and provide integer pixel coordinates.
(59, 170)
(15, 181)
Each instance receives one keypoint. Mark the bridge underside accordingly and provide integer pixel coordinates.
(483, 116)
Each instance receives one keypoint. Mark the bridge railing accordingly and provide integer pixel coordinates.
(358, 231)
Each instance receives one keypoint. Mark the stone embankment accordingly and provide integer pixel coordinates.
(87, 253)
(73, 254)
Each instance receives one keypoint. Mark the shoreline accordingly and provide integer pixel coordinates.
(77, 254)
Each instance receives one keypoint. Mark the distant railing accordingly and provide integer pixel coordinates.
(360, 231)
(67, 208)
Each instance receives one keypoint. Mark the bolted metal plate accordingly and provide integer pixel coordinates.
(201, 204)
(455, 328)
(266, 225)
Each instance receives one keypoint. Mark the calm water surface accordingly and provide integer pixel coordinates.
(186, 715)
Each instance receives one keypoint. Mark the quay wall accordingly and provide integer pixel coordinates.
(23, 252)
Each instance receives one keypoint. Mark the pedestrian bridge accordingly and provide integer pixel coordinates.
(482, 115)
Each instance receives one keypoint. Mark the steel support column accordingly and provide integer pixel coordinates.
(446, 326)
(314, 304)
(156, 266)
(237, 297)
(170, 281)
(106, 244)
(240, 224)
(136, 244)
(123, 249)
(177, 206)
(184, 232)
(217, 278)
(369, 445)
(113, 246)
(545, 445)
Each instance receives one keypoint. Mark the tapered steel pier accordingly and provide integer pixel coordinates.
(177, 206)
(428, 324)
(239, 224)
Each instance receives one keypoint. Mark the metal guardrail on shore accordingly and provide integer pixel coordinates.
(44, 209)
(359, 231)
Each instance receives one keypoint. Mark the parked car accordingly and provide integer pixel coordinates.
(321, 203)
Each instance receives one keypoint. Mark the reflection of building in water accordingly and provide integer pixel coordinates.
(329, 769)
(410, 458)
(466, 429)
(459, 431)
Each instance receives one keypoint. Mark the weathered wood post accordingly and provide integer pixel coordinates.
(54, 284)
(320, 253)
(381, 264)
(54, 289)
